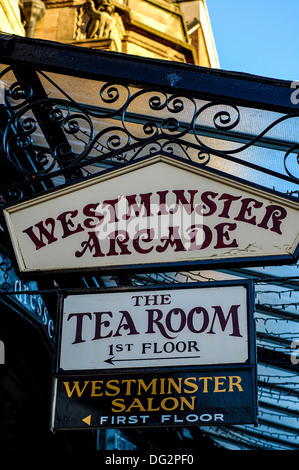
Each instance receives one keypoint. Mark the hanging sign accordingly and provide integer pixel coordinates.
(184, 398)
(170, 326)
(25, 297)
(160, 212)
(170, 356)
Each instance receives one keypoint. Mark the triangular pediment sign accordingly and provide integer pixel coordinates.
(157, 213)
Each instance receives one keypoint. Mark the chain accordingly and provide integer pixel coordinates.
(5, 266)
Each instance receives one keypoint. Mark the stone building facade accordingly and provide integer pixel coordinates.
(160, 29)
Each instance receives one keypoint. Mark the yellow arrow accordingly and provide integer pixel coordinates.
(87, 420)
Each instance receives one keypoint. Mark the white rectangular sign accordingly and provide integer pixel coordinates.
(159, 212)
(202, 325)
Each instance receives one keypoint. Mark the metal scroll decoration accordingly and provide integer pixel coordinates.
(124, 124)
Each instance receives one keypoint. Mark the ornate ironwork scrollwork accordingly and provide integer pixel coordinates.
(123, 124)
(292, 152)
(26, 147)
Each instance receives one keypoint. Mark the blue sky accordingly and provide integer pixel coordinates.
(257, 36)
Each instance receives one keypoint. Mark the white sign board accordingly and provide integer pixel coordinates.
(159, 212)
(154, 328)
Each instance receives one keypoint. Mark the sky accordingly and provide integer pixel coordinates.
(260, 37)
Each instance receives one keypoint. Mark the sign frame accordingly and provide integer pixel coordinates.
(215, 262)
(84, 418)
(249, 367)
(247, 284)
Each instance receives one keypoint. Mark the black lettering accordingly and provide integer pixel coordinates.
(233, 314)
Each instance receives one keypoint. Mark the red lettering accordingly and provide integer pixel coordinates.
(173, 239)
(276, 214)
(247, 210)
(162, 202)
(145, 203)
(144, 235)
(67, 223)
(38, 240)
(211, 205)
(92, 244)
(90, 211)
(204, 240)
(228, 198)
(223, 233)
(180, 198)
(121, 242)
(111, 203)
(121, 238)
